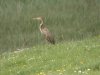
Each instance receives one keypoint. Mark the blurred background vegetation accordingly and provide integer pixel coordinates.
(69, 20)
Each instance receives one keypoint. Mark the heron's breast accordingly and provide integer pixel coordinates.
(44, 31)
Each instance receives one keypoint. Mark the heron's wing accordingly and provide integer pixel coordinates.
(45, 31)
(48, 36)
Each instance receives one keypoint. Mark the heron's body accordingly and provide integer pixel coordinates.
(47, 34)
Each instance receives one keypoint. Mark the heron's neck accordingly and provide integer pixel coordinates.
(41, 23)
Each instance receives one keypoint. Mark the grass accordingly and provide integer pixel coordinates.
(75, 25)
(67, 19)
(66, 58)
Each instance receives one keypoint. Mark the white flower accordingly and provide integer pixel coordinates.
(79, 71)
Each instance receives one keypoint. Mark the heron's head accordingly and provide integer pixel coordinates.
(37, 18)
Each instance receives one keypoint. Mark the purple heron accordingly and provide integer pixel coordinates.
(44, 30)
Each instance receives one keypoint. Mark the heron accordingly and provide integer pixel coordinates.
(45, 31)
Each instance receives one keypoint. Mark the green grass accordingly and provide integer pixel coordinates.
(76, 27)
(67, 19)
(74, 24)
(66, 58)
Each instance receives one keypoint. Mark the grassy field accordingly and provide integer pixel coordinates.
(67, 19)
(75, 25)
(66, 58)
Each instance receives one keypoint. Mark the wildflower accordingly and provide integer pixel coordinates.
(64, 70)
(74, 71)
(88, 69)
(41, 73)
(79, 71)
(58, 70)
(60, 73)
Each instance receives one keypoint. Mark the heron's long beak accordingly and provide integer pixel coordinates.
(34, 18)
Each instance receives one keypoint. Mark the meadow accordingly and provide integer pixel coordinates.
(75, 25)
(66, 58)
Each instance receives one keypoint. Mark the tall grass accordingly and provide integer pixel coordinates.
(67, 19)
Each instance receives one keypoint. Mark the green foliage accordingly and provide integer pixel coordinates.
(72, 58)
(67, 19)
